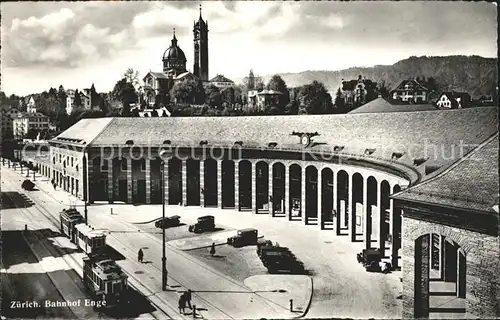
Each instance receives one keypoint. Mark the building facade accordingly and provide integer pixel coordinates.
(262, 99)
(328, 170)
(358, 91)
(31, 120)
(8, 116)
(85, 98)
(454, 100)
(221, 82)
(451, 240)
(410, 91)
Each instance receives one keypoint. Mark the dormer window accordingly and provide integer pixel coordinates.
(129, 142)
(368, 152)
(396, 155)
(338, 148)
(272, 144)
(238, 143)
(167, 142)
(203, 142)
(418, 161)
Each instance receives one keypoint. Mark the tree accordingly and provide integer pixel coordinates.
(339, 100)
(213, 96)
(189, 91)
(292, 108)
(61, 96)
(95, 98)
(77, 102)
(62, 120)
(276, 83)
(228, 95)
(259, 86)
(132, 77)
(124, 92)
(315, 99)
(382, 89)
(32, 134)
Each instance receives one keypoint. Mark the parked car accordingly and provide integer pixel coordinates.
(28, 185)
(371, 259)
(243, 237)
(204, 223)
(168, 222)
(280, 259)
(263, 243)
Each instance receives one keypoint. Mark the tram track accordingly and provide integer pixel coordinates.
(53, 221)
(184, 255)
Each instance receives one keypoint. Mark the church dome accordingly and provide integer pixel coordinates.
(174, 52)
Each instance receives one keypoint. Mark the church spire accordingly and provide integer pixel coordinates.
(200, 13)
(174, 40)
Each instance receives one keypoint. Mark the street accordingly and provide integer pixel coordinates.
(42, 270)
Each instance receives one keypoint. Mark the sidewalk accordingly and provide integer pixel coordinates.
(224, 300)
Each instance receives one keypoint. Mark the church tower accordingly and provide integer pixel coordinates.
(200, 32)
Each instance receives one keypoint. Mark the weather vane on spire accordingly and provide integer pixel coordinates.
(200, 10)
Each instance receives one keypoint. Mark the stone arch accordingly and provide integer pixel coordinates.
(311, 195)
(210, 188)
(441, 230)
(278, 188)
(245, 184)
(228, 190)
(174, 181)
(192, 182)
(295, 189)
(342, 181)
(356, 203)
(373, 219)
(327, 207)
(261, 185)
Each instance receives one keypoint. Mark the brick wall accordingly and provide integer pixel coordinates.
(482, 266)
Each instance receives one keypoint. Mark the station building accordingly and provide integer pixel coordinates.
(392, 181)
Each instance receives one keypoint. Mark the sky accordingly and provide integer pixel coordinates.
(46, 44)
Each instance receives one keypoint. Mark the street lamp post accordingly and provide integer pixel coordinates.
(164, 273)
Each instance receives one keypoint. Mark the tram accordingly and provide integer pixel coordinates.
(89, 240)
(105, 280)
(69, 219)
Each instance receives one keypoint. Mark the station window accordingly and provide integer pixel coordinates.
(104, 165)
(124, 164)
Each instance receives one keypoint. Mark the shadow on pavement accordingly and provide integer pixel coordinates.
(137, 305)
(15, 250)
(12, 199)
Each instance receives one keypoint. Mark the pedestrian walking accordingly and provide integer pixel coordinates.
(212, 249)
(187, 296)
(182, 304)
(140, 255)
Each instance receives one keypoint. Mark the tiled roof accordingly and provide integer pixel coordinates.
(220, 78)
(184, 74)
(159, 75)
(417, 86)
(415, 135)
(382, 105)
(85, 130)
(471, 183)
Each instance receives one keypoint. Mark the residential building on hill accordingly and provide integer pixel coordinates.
(410, 91)
(26, 121)
(85, 98)
(358, 91)
(454, 100)
(262, 99)
(221, 82)
(8, 116)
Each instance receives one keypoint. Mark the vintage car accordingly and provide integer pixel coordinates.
(372, 261)
(204, 223)
(243, 237)
(168, 222)
(28, 185)
(263, 243)
(280, 259)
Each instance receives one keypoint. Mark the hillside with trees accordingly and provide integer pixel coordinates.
(473, 74)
